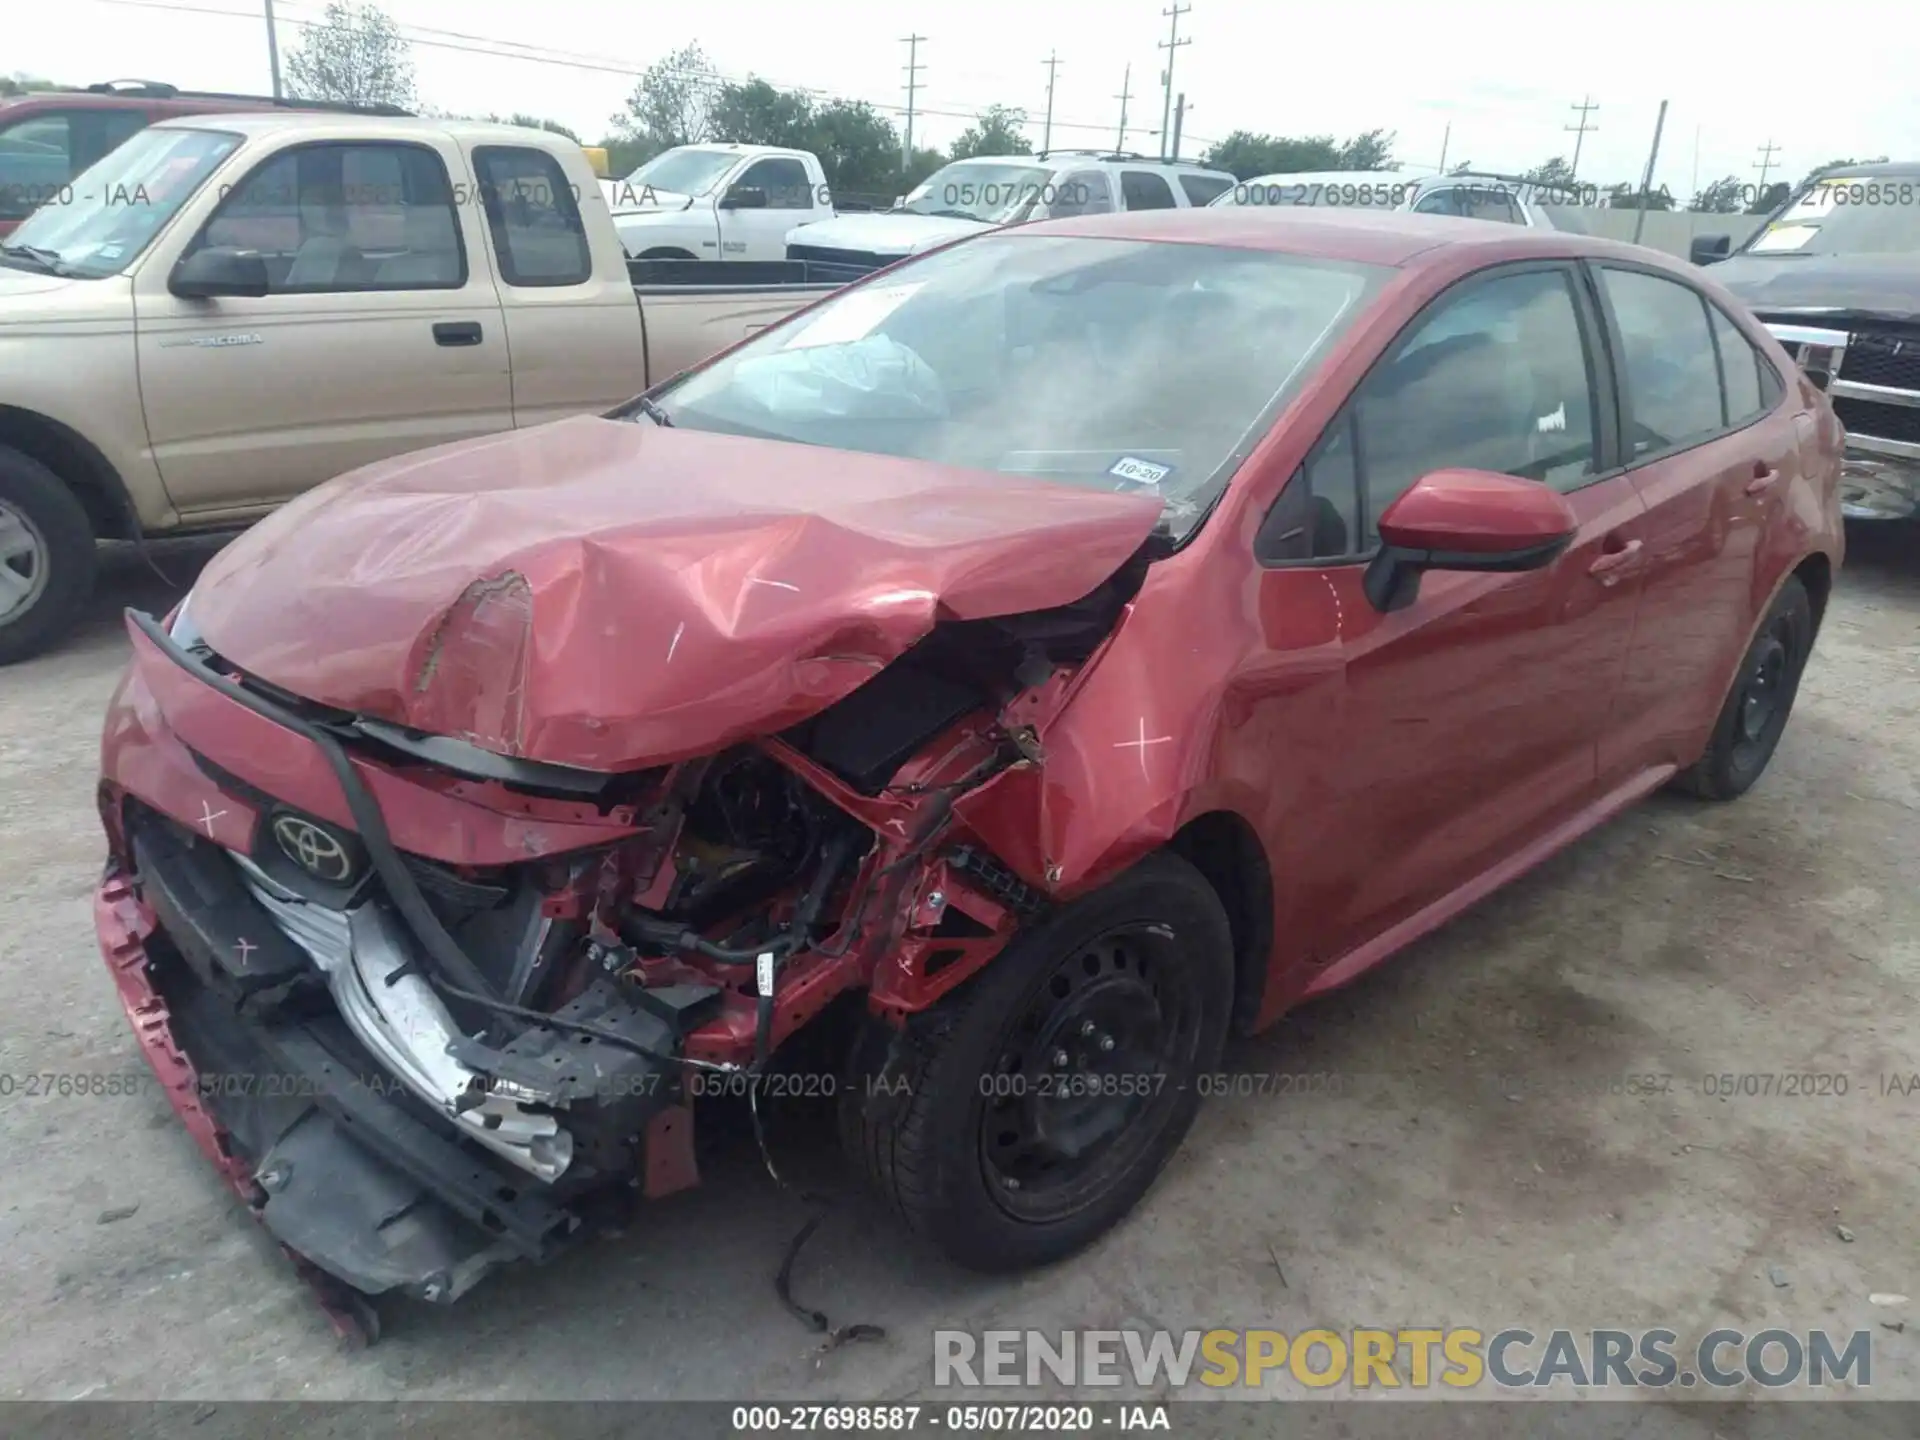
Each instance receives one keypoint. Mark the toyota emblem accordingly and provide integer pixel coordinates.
(316, 850)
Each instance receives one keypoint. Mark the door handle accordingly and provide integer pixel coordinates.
(1765, 477)
(456, 332)
(1612, 565)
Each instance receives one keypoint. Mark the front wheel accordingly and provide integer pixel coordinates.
(1754, 715)
(47, 557)
(1036, 1107)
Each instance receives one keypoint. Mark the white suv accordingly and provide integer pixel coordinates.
(989, 191)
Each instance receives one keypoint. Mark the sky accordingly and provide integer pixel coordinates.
(1490, 83)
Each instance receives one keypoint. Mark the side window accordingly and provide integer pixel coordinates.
(1673, 379)
(1086, 192)
(1490, 202)
(1144, 190)
(36, 159)
(1439, 202)
(784, 180)
(344, 217)
(533, 217)
(1748, 393)
(1204, 189)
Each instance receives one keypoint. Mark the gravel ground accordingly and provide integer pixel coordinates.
(1468, 1160)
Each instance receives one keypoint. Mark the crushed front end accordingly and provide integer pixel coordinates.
(429, 1008)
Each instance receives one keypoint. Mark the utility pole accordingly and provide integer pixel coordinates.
(1126, 93)
(1446, 137)
(1585, 107)
(913, 68)
(1052, 62)
(1179, 118)
(1172, 43)
(1695, 190)
(273, 51)
(1767, 152)
(1646, 180)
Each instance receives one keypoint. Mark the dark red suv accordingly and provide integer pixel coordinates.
(48, 137)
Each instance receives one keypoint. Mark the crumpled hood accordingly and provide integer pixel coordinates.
(614, 595)
(888, 234)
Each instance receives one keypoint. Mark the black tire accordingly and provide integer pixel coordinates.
(1758, 704)
(927, 1121)
(55, 519)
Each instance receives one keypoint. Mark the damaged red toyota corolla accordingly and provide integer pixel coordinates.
(1059, 649)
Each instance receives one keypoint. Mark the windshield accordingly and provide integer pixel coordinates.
(121, 202)
(989, 193)
(1847, 215)
(683, 171)
(1117, 365)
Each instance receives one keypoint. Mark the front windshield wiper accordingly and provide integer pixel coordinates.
(650, 408)
(48, 260)
(948, 215)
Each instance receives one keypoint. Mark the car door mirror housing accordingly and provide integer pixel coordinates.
(220, 270)
(744, 197)
(1708, 248)
(1465, 520)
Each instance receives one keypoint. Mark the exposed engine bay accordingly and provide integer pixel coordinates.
(552, 1011)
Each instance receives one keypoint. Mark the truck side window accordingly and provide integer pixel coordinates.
(1144, 190)
(534, 217)
(1445, 201)
(339, 217)
(785, 181)
(1204, 189)
(36, 160)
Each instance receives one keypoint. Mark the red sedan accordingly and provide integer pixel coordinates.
(1022, 666)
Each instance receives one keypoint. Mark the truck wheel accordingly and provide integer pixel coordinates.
(47, 556)
(1033, 1109)
(1755, 713)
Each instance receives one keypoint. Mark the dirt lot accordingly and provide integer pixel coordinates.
(1465, 1162)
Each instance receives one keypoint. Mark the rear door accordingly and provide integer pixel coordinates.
(1145, 190)
(1472, 717)
(1710, 440)
(381, 333)
(572, 325)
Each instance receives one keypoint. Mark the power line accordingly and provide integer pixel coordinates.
(547, 55)
(1585, 107)
(1052, 62)
(914, 67)
(1171, 44)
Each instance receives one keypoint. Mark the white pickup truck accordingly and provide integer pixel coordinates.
(718, 202)
(231, 309)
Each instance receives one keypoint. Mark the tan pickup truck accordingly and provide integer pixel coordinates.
(230, 309)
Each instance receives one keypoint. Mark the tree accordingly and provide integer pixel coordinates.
(995, 131)
(1773, 195)
(1555, 174)
(355, 54)
(757, 114)
(1246, 154)
(1722, 197)
(534, 122)
(672, 105)
(858, 148)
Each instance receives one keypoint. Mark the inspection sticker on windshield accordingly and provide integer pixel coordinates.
(1141, 472)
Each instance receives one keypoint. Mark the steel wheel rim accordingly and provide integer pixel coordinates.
(1763, 690)
(1054, 1136)
(24, 564)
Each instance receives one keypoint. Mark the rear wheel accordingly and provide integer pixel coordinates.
(1037, 1106)
(1755, 713)
(46, 556)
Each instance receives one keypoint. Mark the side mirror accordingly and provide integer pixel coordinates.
(744, 197)
(220, 270)
(1465, 520)
(1708, 248)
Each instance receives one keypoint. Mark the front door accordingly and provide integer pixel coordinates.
(760, 232)
(381, 334)
(1469, 720)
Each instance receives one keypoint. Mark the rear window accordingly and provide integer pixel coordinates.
(1205, 189)
(533, 216)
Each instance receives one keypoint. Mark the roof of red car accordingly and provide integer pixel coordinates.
(1376, 237)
